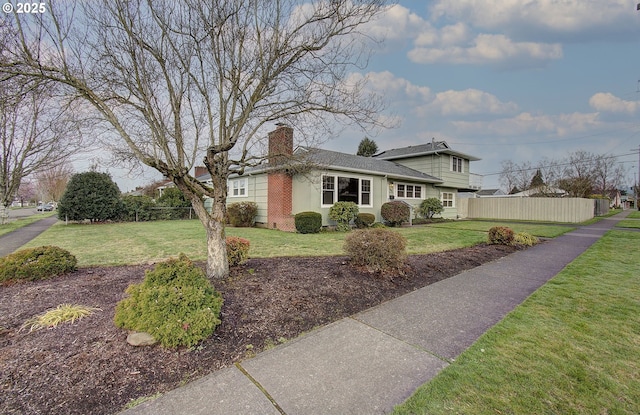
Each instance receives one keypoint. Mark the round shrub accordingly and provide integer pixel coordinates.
(525, 239)
(431, 206)
(308, 222)
(36, 263)
(376, 249)
(395, 212)
(242, 214)
(501, 235)
(175, 303)
(364, 220)
(343, 213)
(237, 250)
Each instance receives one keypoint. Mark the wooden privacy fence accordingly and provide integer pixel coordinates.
(544, 209)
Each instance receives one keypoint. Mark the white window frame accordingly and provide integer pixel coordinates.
(455, 163)
(445, 201)
(238, 187)
(335, 189)
(405, 190)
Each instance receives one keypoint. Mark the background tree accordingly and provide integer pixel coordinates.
(536, 181)
(182, 81)
(35, 133)
(367, 147)
(91, 195)
(173, 204)
(52, 182)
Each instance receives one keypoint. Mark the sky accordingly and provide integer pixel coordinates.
(515, 80)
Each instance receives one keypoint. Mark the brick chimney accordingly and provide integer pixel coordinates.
(200, 171)
(279, 183)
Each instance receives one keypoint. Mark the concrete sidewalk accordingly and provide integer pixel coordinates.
(10, 242)
(373, 361)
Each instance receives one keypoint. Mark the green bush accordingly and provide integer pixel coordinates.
(237, 250)
(242, 214)
(364, 220)
(36, 263)
(308, 222)
(378, 225)
(173, 205)
(91, 195)
(175, 303)
(395, 212)
(138, 209)
(501, 235)
(431, 206)
(343, 213)
(525, 239)
(376, 249)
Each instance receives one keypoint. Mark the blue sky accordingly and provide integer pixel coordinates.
(506, 79)
(510, 79)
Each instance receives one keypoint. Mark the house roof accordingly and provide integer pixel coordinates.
(434, 147)
(489, 192)
(359, 164)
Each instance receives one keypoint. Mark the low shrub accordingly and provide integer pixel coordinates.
(364, 220)
(237, 250)
(378, 225)
(395, 212)
(525, 239)
(175, 303)
(242, 214)
(376, 249)
(308, 222)
(138, 209)
(431, 206)
(501, 235)
(36, 264)
(343, 213)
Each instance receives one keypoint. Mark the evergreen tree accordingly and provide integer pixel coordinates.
(92, 196)
(367, 147)
(537, 180)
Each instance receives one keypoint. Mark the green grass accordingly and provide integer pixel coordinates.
(19, 223)
(141, 242)
(634, 215)
(570, 348)
(630, 223)
(537, 229)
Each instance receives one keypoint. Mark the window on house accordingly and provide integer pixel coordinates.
(456, 164)
(238, 188)
(345, 189)
(447, 199)
(408, 191)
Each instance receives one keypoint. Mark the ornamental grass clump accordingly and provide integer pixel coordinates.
(36, 263)
(175, 303)
(525, 239)
(376, 249)
(60, 314)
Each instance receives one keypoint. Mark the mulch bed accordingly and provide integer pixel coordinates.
(88, 368)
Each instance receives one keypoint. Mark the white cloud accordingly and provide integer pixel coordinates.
(470, 101)
(607, 102)
(527, 123)
(543, 19)
(490, 49)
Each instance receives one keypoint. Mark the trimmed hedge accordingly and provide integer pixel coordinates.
(237, 250)
(395, 212)
(364, 220)
(36, 263)
(242, 214)
(308, 222)
(376, 249)
(175, 303)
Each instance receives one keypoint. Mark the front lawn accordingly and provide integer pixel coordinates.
(571, 348)
(538, 229)
(142, 242)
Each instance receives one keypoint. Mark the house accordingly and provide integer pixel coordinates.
(318, 178)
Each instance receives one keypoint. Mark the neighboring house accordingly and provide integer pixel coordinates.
(318, 178)
(540, 191)
(490, 193)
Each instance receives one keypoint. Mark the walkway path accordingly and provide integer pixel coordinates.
(12, 241)
(370, 362)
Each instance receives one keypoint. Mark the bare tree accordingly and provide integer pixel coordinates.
(516, 177)
(52, 182)
(35, 133)
(181, 80)
(608, 174)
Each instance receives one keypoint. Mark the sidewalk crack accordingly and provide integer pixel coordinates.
(262, 389)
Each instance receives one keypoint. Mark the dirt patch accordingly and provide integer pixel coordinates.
(88, 368)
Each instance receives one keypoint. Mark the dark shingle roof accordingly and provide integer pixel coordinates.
(421, 150)
(358, 164)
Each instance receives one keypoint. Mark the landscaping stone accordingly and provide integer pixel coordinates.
(140, 339)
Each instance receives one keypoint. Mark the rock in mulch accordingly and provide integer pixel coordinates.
(140, 339)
